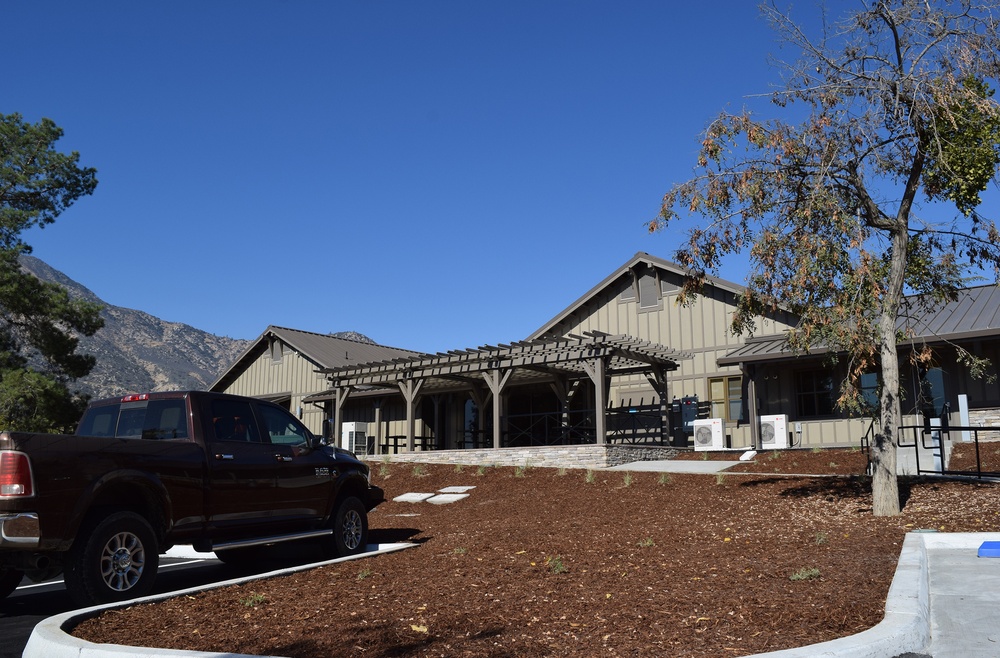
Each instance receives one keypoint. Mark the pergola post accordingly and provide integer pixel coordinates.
(340, 395)
(410, 388)
(597, 369)
(438, 399)
(564, 392)
(657, 378)
(479, 398)
(377, 403)
(496, 379)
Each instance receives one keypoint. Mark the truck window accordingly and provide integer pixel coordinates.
(147, 419)
(233, 421)
(283, 428)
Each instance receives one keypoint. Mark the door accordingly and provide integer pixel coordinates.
(241, 467)
(305, 473)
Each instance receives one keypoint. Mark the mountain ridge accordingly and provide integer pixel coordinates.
(139, 352)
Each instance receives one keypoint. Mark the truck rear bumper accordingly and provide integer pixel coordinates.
(19, 530)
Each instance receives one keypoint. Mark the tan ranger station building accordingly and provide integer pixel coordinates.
(623, 364)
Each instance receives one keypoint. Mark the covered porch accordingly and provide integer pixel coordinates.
(550, 391)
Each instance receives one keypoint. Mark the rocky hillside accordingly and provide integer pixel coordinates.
(138, 352)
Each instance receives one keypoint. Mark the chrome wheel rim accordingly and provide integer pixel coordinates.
(352, 530)
(122, 561)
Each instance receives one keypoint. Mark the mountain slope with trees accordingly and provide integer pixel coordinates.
(136, 351)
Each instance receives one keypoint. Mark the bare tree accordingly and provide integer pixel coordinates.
(870, 192)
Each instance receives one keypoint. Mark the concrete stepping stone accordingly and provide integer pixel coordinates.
(412, 497)
(445, 498)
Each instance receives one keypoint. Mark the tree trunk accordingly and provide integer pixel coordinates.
(885, 488)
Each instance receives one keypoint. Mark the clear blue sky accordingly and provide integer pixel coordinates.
(435, 175)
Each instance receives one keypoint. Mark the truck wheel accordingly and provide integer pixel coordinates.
(115, 560)
(9, 580)
(350, 529)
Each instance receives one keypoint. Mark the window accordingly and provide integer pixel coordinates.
(649, 297)
(869, 390)
(234, 421)
(726, 396)
(283, 428)
(931, 393)
(814, 393)
(152, 419)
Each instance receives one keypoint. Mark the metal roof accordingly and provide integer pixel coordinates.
(528, 361)
(974, 314)
(324, 350)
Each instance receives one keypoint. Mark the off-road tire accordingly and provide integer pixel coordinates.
(115, 559)
(350, 529)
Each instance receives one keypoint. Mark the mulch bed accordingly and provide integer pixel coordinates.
(546, 562)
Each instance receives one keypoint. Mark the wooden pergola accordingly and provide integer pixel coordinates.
(487, 372)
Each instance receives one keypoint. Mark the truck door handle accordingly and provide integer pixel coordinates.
(222, 456)
(283, 458)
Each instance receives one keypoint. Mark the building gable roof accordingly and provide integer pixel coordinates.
(323, 350)
(639, 258)
(975, 314)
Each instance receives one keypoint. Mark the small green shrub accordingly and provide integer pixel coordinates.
(820, 538)
(590, 477)
(364, 573)
(627, 480)
(419, 470)
(555, 564)
(805, 574)
(253, 600)
(664, 478)
(646, 543)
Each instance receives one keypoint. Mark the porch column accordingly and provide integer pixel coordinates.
(340, 395)
(564, 392)
(411, 392)
(753, 413)
(657, 378)
(378, 426)
(497, 380)
(438, 439)
(597, 369)
(479, 398)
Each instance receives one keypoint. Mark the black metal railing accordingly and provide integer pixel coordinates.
(975, 454)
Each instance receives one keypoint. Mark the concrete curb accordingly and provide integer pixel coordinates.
(906, 626)
(50, 638)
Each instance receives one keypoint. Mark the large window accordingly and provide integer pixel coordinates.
(726, 396)
(814, 393)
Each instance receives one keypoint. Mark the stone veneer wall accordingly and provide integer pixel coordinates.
(984, 417)
(581, 456)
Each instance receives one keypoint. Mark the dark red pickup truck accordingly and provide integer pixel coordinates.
(145, 472)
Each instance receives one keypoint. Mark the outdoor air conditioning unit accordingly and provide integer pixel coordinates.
(774, 432)
(709, 434)
(355, 437)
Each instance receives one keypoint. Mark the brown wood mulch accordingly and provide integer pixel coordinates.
(546, 562)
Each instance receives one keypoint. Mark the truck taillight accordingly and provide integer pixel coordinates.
(15, 474)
